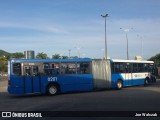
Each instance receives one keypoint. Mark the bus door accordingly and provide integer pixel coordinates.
(36, 79)
(128, 74)
(31, 79)
(16, 79)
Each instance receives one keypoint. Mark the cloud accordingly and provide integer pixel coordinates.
(139, 25)
(147, 29)
(33, 26)
(90, 37)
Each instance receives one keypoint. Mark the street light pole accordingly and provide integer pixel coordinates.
(126, 31)
(103, 54)
(142, 48)
(78, 51)
(69, 53)
(141, 44)
(127, 46)
(105, 16)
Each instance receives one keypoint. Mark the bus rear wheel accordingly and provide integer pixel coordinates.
(119, 84)
(52, 89)
(146, 82)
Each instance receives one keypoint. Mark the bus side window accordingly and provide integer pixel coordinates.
(56, 69)
(71, 68)
(27, 70)
(83, 68)
(35, 71)
(150, 68)
(51, 68)
(135, 67)
(62, 68)
(121, 68)
(140, 67)
(116, 67)
(68, 68)
(146, 67)
(17, 69)
(128, 67)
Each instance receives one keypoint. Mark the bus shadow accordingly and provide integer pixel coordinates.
(60, 94)
(27, 96)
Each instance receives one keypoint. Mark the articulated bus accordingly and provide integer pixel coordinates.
(52, 76)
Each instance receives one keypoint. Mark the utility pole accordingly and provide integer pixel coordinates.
(126, 31)
(105, 16)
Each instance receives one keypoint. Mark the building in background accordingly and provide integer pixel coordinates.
(138, 58)
(29, 54)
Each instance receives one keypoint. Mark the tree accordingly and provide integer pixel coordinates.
(18, 55)
(8, 56)
(74, 57)
(64, 57)
(56, 56)
(3, 64)
(41, 55)
(156, 59)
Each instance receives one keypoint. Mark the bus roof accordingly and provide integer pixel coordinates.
(52, 60)
(131, 61)
(76, 60)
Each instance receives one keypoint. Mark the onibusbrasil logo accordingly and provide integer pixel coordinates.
(21, 114)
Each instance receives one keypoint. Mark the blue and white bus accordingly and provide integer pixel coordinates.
(132, 72)
(52, 76)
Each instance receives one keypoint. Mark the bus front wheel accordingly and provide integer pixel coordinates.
(52, 89)
(119, 84)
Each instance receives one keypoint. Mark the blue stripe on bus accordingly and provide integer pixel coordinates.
(128, 82)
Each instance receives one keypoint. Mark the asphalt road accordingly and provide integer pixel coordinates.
(137, 98)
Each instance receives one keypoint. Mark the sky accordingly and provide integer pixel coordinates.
(57, 26)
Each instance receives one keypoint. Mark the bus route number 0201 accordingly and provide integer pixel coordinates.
(52, 79)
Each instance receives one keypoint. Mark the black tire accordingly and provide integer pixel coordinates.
(52, 89)
(146, 82)
(119, 84)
